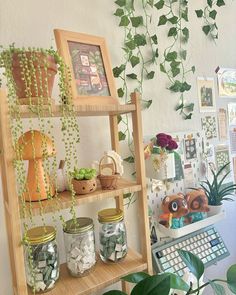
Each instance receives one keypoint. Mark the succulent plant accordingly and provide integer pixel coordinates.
(83, 173)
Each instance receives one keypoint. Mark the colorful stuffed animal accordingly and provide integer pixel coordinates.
(174, 209)
(197, 205)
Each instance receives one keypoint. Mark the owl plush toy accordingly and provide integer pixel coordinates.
(197, 205)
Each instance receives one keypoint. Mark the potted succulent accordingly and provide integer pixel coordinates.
(160, 157)
(30, 73)
(216, 191)
(169, 283)
(84, 180)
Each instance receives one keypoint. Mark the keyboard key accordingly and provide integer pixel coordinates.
(180, 273)
(163, 260)
(210, 232)
(166, 265)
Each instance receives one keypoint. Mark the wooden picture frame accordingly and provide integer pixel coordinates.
(87, 56)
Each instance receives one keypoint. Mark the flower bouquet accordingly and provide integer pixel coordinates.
(159, 155)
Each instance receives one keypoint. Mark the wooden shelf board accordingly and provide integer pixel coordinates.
(63, 200)
(102, 276)
(81, 110)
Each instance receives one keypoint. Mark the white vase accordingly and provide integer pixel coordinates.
(166, 170)
(214, 210)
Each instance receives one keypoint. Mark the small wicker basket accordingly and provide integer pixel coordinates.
(108, 182)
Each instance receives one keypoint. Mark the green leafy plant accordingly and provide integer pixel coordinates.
(216, 191)
(83, 173)
(162, 284)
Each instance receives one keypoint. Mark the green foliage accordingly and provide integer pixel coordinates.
(129, 159)
(215, 191)
(231, 275)
(83, 173)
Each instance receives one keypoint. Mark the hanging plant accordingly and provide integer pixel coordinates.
(208, 14)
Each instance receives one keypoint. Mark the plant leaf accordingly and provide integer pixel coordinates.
(162, 68)
(118, 70)
(135, 277)
(231, 278)
(185, 32)
(173, 20)
(154, 38)
(194, 264)
(124, 21)
(150, 75)
(120, 2)
(120, 92)
(134, 61)
(129, 159)
(132, 76)
(199, 12)
(213, 14)
(136, 21)
(119, 118)
(209, 2)
(183, 54)
(206, 29)
(220, 3)
(131, 44)
(172, 32)
(159, 4)
(140, 40)
(122, 136)
(162, 20)
(217, 288)
(171, 56)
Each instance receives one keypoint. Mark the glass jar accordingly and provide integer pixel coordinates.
(80, 246)
(112, 235)
(41, 258)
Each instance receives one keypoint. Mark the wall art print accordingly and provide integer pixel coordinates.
(222, 157)
(209, 127)
(232, 113)
(206, 94)
(190, 149)
(226, 82)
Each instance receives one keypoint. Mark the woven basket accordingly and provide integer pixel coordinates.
(108, 182)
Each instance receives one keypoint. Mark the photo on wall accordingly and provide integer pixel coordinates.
(232, 113)
(222, 157)
(190, 149)
(226, 82)
(209, 127)
(206, 94)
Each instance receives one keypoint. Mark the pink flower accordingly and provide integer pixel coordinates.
(162, 142)
(172, 145)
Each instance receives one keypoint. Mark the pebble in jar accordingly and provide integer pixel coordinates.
(112, 235)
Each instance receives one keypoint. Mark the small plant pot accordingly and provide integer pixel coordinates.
(109, 182)
(41, 84)
(83, 187)
(214, 210)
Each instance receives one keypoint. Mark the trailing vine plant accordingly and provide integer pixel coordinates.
(208, 14)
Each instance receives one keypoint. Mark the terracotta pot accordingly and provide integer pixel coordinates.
(43, 89)
(83, 187)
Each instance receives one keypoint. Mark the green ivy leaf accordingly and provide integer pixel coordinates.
(140, 40)
(135, 277)
(188, 117)
(119, 12)
(126, 196)
(134, 60)
(146, 104)
(231, 278)
(121, 3)
(217, 288)
(124, 21)
(159, 4)
(118, 70)
(174, 64)
(162, 68)
(129, 159)
(132, 76)
(136, 21)
(199, 12)
(173, 20)
(184, 14)
(183, 54)
(131, 44)
(179, 107)
(213, 14)
(194, 264)
(172, 32)
(176, 86)
(154, 39)
(206, 29)
(150, 75)
(120, 92)
(185, 87)
(171, 56)
(189, 107)
(185, 32)
(175, 71)
(220, 3)
(209, 2)
(122, 136)
(119, 119)
(162, 20)
(151, 3)
(193, 69)
(156, 53)
(130, 5)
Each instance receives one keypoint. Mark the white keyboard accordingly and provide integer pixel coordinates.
(206, 243)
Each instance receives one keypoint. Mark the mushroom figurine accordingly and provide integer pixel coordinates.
(37, 146)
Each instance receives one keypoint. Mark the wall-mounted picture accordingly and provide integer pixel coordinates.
(232, 113)
(209, 127)
(190, 149)
(222, 157)
(226, 82)
(87, 57)
(206, 94)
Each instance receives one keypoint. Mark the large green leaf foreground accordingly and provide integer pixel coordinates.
(162, 284)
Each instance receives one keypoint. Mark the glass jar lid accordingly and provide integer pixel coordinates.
(41, 234)
(110, 215)
(79, 225)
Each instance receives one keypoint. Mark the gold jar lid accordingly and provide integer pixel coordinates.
(41, 234)
(79, 225)
(110, 215)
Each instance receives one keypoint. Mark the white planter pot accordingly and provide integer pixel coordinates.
(214, 210)
(166, 170)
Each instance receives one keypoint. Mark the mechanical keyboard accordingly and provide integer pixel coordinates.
(206, 243)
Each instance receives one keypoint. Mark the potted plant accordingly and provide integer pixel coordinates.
(216, 191)
(84, 180)
(30, 73)
(168, 283)
(160, 158)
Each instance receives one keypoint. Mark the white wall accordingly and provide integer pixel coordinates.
(31, 23)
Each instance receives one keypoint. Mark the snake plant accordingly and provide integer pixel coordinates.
(216, 191)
